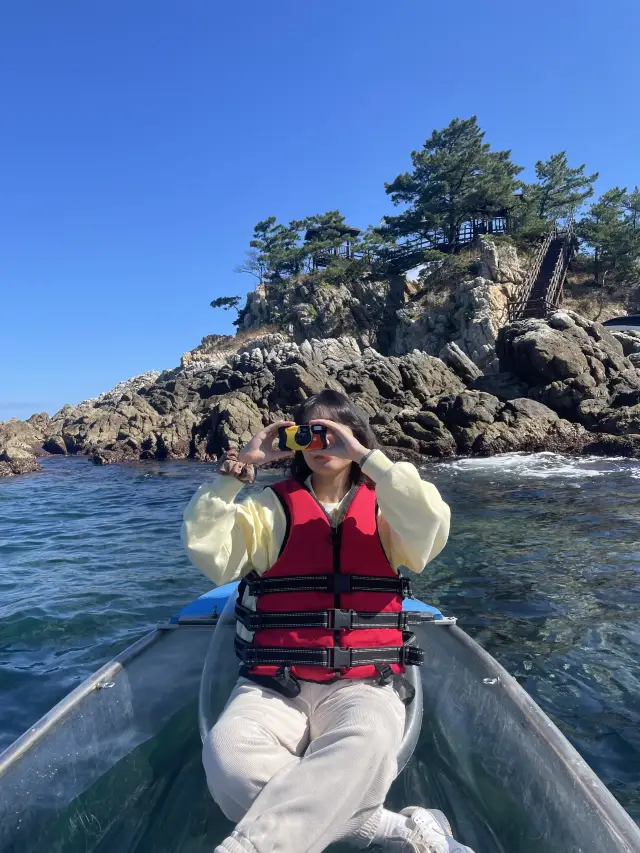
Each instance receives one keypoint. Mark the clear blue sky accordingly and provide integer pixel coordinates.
(142, 139)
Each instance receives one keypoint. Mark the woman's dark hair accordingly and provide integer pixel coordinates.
(333, 406)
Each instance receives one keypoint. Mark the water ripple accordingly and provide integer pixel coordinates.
(543, 568)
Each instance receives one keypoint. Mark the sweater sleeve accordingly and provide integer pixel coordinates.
(227, 540)
(413, 520)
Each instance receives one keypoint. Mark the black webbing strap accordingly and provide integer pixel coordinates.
(335, 583)
(335, 658)
(333, 620)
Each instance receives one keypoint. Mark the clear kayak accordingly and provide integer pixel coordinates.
(115, 767)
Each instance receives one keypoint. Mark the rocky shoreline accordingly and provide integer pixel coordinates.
(430, 358)
(564, 385)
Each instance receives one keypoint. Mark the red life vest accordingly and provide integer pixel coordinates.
(331, 605)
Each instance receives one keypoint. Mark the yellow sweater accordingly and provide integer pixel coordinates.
(226, 540)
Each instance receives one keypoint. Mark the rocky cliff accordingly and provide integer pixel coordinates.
(565, 384)
(471, 309)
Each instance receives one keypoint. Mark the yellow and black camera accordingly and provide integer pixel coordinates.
(302, 437)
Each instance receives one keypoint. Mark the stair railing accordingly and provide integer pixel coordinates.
(516, 306)
(554, 291)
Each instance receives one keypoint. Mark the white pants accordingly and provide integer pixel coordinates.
(298, 774)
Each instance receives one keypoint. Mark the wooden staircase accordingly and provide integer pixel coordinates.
(541, 292)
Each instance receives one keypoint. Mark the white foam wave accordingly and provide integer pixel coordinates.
(543, 465)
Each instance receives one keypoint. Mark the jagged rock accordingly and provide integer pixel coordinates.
(524, 425)
(629, 341)
(500, 263)
(474, 313)
(29, 433)
(333, 354)
(420, 431)
(504, 386)
(319, 306)
(468, 408)
(117, 452)
(613, 445)
(622, 421)
(295, 382)
(483, 311)
(384, 373)
(466, 414)
(460, 363)
(55, 444)
(229, 423)
(16, 457)
(126, 388)
(566, 369)
(574, 366)
(20, 444)
(428, 376)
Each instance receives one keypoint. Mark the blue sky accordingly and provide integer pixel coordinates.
(142, 139)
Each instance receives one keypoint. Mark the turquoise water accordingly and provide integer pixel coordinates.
(543, 568)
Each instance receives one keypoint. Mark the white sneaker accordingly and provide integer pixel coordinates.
(431, 832)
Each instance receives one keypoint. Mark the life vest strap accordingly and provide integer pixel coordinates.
(335, 583)
(334, 658)
(333, 620)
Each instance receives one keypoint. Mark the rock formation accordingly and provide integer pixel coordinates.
(473, 313)
(566, 384)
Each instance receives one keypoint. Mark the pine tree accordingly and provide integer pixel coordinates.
(560, 189)
(455, 177)
(277, 248)
(611, 229)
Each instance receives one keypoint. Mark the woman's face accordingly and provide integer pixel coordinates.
(325, 464)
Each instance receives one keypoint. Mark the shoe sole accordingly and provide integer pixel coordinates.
(442, 820)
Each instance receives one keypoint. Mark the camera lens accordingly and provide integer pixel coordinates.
(303, 436)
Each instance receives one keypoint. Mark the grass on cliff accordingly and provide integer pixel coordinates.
(595, 301)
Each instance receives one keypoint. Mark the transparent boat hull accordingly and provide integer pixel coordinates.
(115, 768)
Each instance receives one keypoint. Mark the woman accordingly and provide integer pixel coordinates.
(305, 750)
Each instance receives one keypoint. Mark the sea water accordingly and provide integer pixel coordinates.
(542, 568)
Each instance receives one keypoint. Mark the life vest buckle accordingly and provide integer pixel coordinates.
(340, 619)
(407, 592)
(385, 672)
(288, 684)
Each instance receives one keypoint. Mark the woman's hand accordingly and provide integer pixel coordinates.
(229, 466)
(260, 451)
(342, 443)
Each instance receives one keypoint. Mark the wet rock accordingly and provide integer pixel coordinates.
(55, 444)
(523, 427)
(17, 457)
(613, 445)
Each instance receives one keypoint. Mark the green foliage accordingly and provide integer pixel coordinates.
(329, 228)
(444, 271)
(226, 302)
(277, 248)
(278, 251)
(455, 177)
(611, 229)
(560, 189)
(632, 205)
